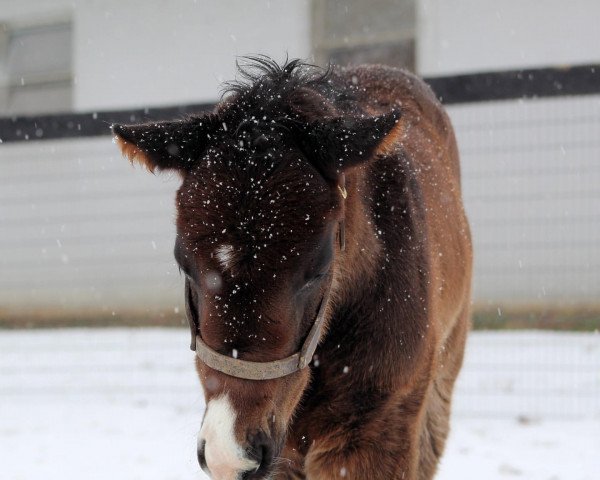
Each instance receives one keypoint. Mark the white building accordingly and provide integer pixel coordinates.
(84, 234)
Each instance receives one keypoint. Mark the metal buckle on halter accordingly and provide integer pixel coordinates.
(278, 368)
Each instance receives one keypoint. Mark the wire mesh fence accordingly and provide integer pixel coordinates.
(531, 180)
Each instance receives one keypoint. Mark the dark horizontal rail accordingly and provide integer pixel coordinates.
(476, 87)
(85, 124)
(530, 83)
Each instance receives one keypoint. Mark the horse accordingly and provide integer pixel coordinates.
(327, 262)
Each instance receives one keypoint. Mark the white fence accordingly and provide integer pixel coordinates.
(531, 176)
(80, 229)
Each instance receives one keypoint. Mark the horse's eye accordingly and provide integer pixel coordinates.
(187, 274)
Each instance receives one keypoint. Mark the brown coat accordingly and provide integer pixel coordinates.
(405, 314)
(258, 212)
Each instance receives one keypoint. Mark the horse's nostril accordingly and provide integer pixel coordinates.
(201, 456)
(262, 457)
(261, 451)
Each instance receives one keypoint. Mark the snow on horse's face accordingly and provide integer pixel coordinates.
(257, 248)
(257, 219)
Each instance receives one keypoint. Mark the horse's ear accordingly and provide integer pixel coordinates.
(172, 145)
(334, 145)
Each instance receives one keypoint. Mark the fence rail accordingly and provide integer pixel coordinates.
(455, 89)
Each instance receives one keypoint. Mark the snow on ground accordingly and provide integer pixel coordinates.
(125, 404)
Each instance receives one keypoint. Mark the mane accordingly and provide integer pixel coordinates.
(259, 73)
(292, 90)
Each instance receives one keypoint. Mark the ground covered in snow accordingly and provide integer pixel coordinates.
(125, 404)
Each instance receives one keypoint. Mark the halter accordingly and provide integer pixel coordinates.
(278, 368)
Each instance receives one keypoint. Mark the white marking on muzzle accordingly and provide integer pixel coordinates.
(225, 458)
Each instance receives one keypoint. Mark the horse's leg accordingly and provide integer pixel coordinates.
(402, 439)
(383, 445)
(435, 423)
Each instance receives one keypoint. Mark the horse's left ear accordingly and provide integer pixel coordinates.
(334, 145)
(172, 145)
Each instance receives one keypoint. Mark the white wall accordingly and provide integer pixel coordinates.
(458, 36)
(158, 52)
(84, 231)
(530, 185)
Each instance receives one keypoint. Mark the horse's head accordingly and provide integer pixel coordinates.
(258, 213)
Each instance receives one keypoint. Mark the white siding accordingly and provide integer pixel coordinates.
(83, 229)
(531, 181)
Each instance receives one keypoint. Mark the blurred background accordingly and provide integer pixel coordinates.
(86, 240)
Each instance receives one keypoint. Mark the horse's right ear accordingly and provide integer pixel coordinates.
(337, 144)
(175, 145)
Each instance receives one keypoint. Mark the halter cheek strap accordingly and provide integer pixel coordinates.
(342, 229)
(278, 368)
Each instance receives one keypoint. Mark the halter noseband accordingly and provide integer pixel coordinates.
(278, 368)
